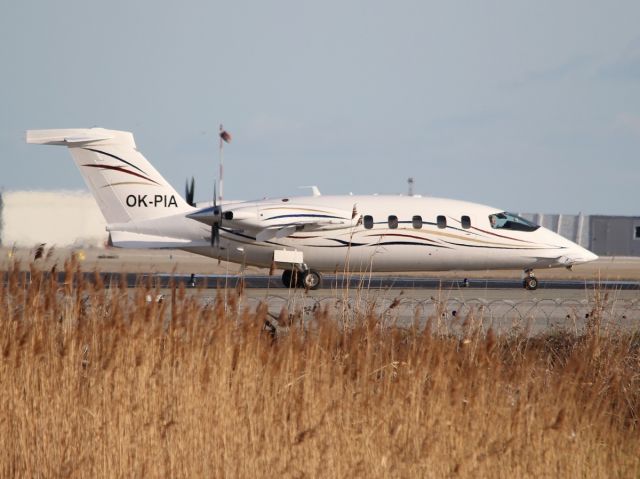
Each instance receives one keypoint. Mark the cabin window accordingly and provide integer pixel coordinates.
(636, 234)
(416, 221)
(368, 222)
(442, 221)
(511, 221)
(393, 222)
(465, 221)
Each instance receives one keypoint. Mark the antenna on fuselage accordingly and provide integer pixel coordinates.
(315, 191)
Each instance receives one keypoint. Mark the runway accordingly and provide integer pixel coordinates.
(181, 263)
(356, 281)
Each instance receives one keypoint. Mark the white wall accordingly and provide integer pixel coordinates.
(59, 218)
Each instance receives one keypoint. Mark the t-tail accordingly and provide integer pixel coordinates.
(124, 184)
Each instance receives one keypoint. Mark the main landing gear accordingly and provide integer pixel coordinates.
(307, 279)
(530, 281)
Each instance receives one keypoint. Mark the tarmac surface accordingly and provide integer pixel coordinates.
(338, 282)
(183, 263)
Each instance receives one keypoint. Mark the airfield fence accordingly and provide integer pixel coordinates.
(530, 315)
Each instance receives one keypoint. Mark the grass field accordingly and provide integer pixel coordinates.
(99, 382)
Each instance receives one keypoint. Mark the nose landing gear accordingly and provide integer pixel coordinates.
(311, 279)
(530, 281)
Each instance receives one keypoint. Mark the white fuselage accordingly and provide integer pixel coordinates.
(354, 247)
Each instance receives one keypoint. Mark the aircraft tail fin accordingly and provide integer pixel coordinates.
(125, 185)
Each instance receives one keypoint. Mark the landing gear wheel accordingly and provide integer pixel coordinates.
(530, 283)
(287, 279)
(311, 280)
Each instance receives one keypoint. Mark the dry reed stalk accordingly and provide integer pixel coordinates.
(101, 382)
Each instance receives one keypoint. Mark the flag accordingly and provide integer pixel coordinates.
(225, 135)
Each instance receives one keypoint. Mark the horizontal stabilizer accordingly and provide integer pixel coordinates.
(74, 136)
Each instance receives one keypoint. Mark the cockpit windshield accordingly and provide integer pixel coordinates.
(510, 221)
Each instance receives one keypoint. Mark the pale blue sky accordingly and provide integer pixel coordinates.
(527, 106)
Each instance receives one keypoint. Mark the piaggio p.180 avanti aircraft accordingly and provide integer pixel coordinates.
(310, 234)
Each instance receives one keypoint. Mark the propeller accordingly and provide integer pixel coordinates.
(189, 190)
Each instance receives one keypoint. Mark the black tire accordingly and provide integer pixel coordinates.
(311, 280)
(296, 279)
(531, 283)
(287, 279)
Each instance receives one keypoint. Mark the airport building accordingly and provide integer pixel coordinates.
(72, 218)
(615, 235)
(60, 218)
(604, 235)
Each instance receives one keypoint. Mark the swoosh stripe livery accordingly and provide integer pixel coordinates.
(505, 247)
(121, 183)
(116, 158)
(432, 243)
(305, 216)
(122, 170)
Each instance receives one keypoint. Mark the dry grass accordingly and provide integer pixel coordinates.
(98, 382)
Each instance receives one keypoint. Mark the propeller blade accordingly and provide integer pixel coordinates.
(215, 234)
(189, 191)
(215, 225)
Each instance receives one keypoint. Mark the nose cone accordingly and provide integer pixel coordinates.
(205, 215)
(589, 256)
(577, 255)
